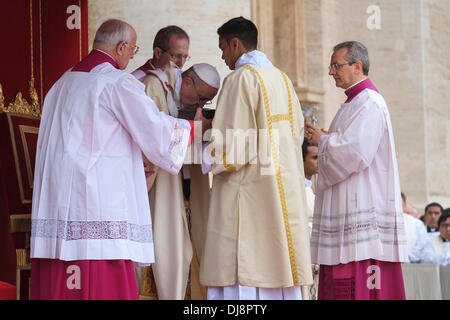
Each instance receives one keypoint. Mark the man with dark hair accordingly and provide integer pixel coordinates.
(441, 241)
(358, 235)
(171, 44)
(239, 28)
(257, 239)
(432, 213)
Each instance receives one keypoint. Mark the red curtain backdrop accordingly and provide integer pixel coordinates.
(41, 40)
(37, 40)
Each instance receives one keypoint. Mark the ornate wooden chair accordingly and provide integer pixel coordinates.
(19, 126)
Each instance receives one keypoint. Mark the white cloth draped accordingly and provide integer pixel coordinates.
(254, 58)
(238, 292)
(173, 103)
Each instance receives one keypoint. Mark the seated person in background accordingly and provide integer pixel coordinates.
(441, 241)
(419, 244)
(432, 213)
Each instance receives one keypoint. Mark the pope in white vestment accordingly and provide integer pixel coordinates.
(173, 249)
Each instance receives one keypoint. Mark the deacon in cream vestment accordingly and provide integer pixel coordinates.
(257, 235)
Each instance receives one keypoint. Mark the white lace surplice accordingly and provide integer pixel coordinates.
(357, 212)
(90, 198)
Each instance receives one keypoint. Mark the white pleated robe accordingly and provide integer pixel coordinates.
(90, 198)
(358, 211)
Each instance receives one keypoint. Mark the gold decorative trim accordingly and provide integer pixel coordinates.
(279, 181)
(2, 100)
(22, 259)
(228, 167)
(23, 263)
(16, 157)
(20, 105)
(291, 121)
(28, 129)
(280, 117)
(31, 38)
(20, 223)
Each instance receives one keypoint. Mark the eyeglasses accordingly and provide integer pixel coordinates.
(336, 66)
(135, 48)
(200, 99)
(445, 225)
(178, 57)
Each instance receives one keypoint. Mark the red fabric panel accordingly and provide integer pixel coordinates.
(15, 62)
(7, 250)
(38, 28)
(36, 42)
(60, 45)
(362, 280)
(53, 279)
(7, 291)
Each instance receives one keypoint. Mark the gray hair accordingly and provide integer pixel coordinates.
(113, 31)
(356, 52)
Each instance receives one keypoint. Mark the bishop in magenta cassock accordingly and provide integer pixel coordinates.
(358, 235)
(91, 220)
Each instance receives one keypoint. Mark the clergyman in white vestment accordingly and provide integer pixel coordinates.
(358, 235)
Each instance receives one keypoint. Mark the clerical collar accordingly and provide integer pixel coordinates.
(148, 66)
(444, 240)
(93, 59)
(308, 183)
(355, 89)
(253, 58)
(429, 229)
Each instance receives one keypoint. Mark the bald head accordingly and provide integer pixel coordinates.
(118, 39)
